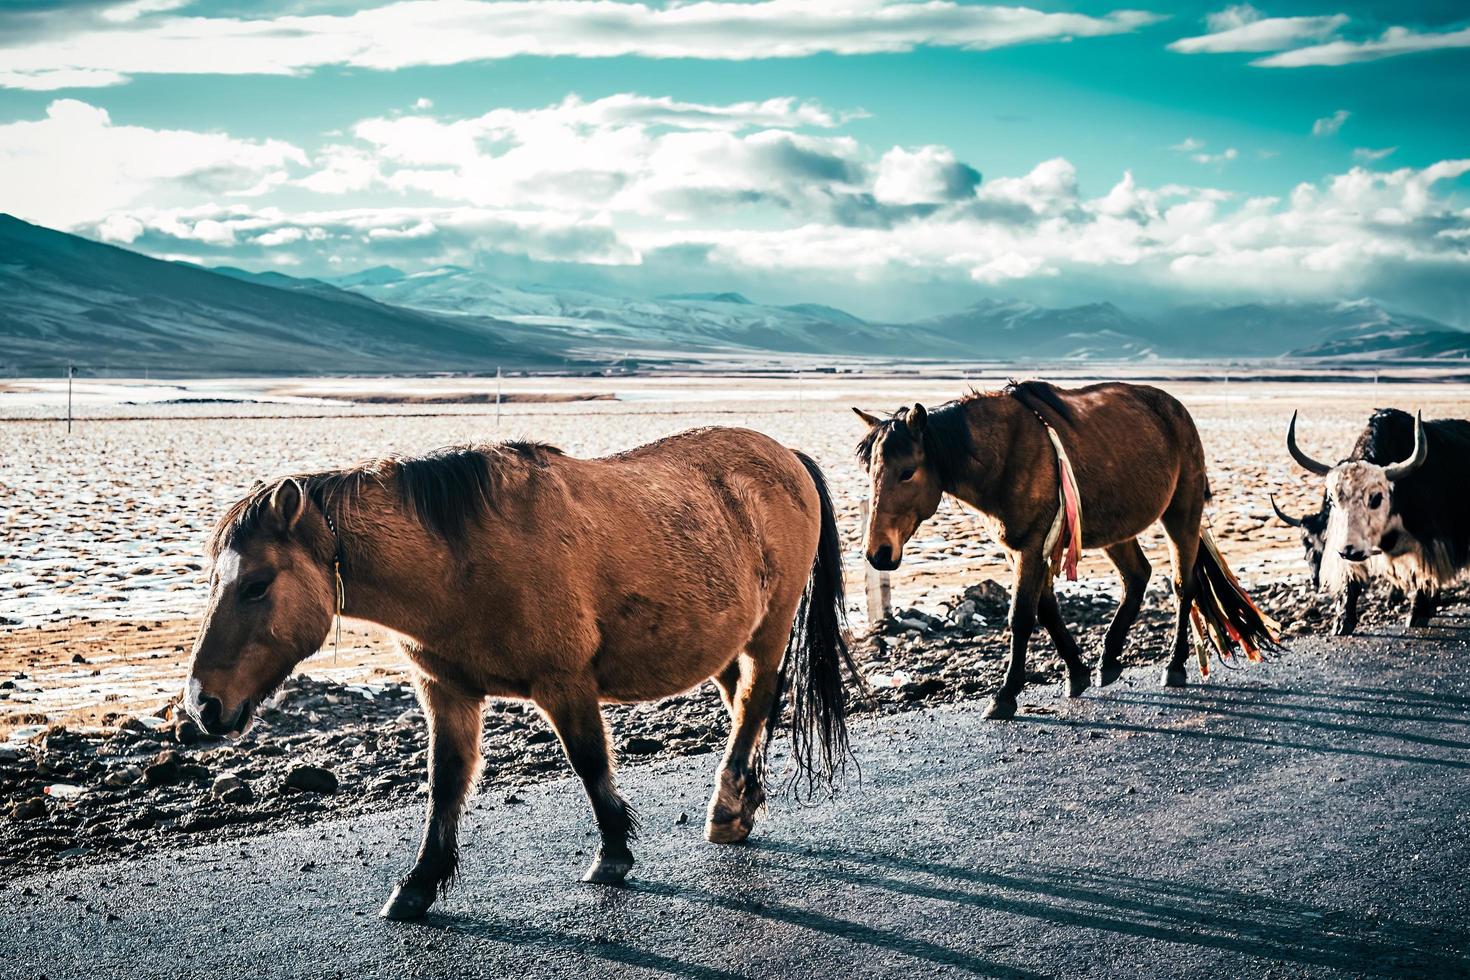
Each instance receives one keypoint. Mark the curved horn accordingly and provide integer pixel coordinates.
(1285, 517)
(1306, 462)
(1421, 452)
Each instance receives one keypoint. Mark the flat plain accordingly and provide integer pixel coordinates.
(102, 570)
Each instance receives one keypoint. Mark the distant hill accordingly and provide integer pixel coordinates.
(1300, 329)
(1005, 329)
(686, 322)
(70, 299)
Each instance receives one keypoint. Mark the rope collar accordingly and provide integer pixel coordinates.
(1063, 545)
(338, 587)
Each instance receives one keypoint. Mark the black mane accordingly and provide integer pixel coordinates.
(1037, 395)
(946, 439)
(444, 490)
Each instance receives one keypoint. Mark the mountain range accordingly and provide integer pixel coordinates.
(65, 299)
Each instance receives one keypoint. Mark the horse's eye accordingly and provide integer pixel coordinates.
(906, 475)
(1375, 501)
(255, 591)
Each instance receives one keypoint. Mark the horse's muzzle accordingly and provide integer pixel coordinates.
(209, 713)
(884, 559)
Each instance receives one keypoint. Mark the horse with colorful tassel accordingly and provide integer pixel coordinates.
(1034, 458)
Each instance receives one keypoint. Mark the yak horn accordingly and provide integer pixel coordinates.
(1285, 517)
(1306, 462)
(1421, 452)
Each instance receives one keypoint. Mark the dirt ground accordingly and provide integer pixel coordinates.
(102, 578)
(101, 532)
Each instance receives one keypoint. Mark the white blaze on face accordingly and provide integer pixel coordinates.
(1362, 512)
(226, 568)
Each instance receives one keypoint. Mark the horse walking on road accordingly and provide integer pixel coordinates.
(1135, 458)
(513, 570)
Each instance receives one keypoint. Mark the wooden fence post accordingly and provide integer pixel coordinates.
(880, 593)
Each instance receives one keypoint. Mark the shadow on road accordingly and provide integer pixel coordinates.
(844, 929)
(1119, 726)
(1351, 706)
(519, 934)
(1240, 707)
(1189, 913)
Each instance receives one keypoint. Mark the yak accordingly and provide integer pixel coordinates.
(1387, 513)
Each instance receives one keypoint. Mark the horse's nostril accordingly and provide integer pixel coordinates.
(210, 712)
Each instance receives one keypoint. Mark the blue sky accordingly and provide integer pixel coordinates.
(895, 158)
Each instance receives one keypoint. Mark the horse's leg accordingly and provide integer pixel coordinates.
(1422, 607)
(454, 761)
(1049, 614)
(1346, 619)
(1182, 525)
(1030, 579)
(575, 713)
(739, 791)
(1133, 568)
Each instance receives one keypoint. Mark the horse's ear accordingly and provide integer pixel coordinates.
(916, 419)
(287, 504)
(870, 420)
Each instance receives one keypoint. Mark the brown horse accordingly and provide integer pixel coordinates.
(1137, 459)
(515, 571)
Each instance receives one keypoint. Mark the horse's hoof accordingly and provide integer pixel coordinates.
(1000, 709)
(728, 831)
(1343, 628)
(1077, 684)
(408, 902)
(1108, 672)
(608, 870)
(1174, 677)
(1419, 622)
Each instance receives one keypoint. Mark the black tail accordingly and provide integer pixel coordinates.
(815, 662)
(1224, 615)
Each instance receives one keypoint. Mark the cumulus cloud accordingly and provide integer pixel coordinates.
(754, 190)
(626, 153)
(1321, 239)
(1329, 125)
(928, 175)
(75, 164)
(1244, 28)
(444, 32)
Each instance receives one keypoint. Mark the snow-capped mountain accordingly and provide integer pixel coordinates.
(685, 322)
(69, 299)
(1006, 329)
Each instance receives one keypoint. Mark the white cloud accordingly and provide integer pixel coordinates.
(1329, 125)
(422, 103)
(928, 175)
(76, 164)
(1302, 42)
(1194, 149)
(1393, 42)
(444, 32)
(1244, 28)
(762, 188)
(124, 12)
(629, 153)
(1370, 155)
(1224, 156)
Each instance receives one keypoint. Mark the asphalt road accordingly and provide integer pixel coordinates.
(1304, 817)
